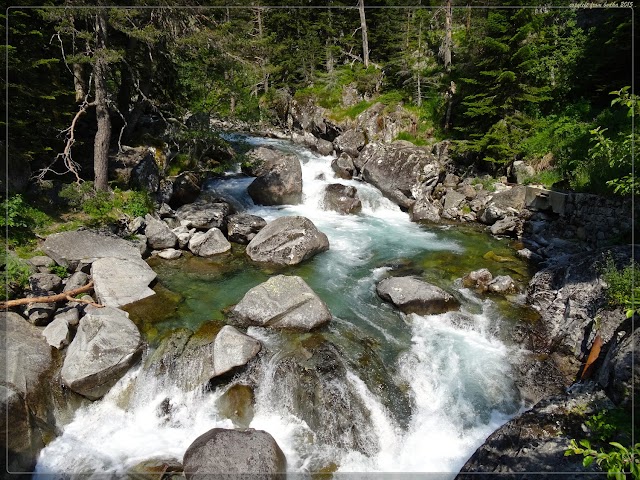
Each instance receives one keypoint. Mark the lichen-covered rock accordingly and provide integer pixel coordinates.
(106, 344)
(287, 241)
(416, 296)
(350, 142)
(282, 302)
(425, 210)
(240, 453)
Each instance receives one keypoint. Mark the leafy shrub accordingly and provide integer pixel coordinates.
(621, 290)
(615, 462)
(411, 138)
(15, 272)
(488, 183)
(607, 425)
(20, 219)
(59, 270)
(546, 177)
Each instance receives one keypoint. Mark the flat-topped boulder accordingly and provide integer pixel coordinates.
(106, 344)
(120, 281)
(287, 241)
(411, 295)
(284, 302)
(236, 454)
(204, 213)
(74, 249)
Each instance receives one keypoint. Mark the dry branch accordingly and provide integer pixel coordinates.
(52, 298)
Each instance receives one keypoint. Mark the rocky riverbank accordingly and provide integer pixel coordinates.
(567, 292)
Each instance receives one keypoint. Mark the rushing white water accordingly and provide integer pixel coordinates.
(454, 370)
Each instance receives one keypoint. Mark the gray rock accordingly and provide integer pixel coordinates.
(502, 284)
(343, 166)
(509, 225)
(41, 261)
(453, 200)
(279, 181)
(324, 147)
(468, 191)
(425, 210)
(139, 241)
(477, 279)
(209, 243)
(507, 202)
(243, 227)
(77, 280)
(232, 349)
(165, 211)
(118, 282)
(45, 283)
(415, 296)
(451, 180)
(106, 344)
(342, 198)
(204, 213)
(282, 302)
(71, 316)
(170, 254)
(521, 171)
(156, 469)
(40, 314)
(73, 249)
(350, 142)
(287, 241)
(159, 235)
(240, 453)
(136, 225)
(183, 234)
(397, 169)
(57, 333)
(24, 388)
(137, 167)
(529, 255)
(620, 367)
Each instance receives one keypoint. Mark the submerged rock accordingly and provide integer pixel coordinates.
(251, 453)
(282, 302)
(415, 296)
(106, 344)
(287, 241)
(237, 405)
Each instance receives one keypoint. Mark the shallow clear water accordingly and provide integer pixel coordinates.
(427, 390)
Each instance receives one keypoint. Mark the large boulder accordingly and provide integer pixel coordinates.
(279, 179)
(106, 344)
(536, 440)
(136, 167)
(243, 227)
(343, 166)
(232, 349)
(282, 302)
(425, 210)
(620, 367)
(342, 198)
(350, 142)
(184, 189)
(27, 362)
(209, 243)
(415, 296)
(287, 241)
(506, 202)
(118, 281)
(238, 453)
(204, 213)
(398, 169)
(159, 235)
(569, 294)
(81, 248)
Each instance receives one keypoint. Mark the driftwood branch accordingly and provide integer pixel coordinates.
(52, 298)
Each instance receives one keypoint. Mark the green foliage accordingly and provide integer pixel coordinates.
(15, 272)
(106, 207)
(488, 183)
(20, 218)
(607, 425)
(621, 290)
(411, 138)
(616, 462)
(59, 270)
(546, 177)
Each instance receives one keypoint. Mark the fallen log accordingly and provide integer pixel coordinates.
(53, 298)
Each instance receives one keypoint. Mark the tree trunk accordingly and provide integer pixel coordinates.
(78, 82)
(365, 40)
(103, 135)
(447, 37)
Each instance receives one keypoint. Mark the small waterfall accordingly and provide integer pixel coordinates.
(376, 391)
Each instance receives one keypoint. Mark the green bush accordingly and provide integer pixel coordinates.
(15, 272)
(411, 138)
(20, 219)
(616, 462)
(59, 270)
(546, 177)
(621, 290)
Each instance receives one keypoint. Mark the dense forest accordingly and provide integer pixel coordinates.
(504, 83)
